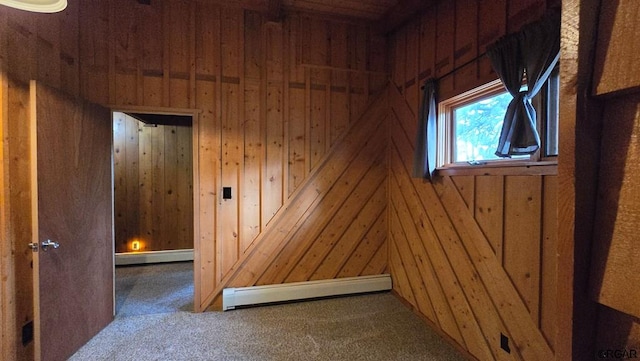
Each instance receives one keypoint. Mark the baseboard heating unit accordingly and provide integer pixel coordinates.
(177, 255)
(245, 296)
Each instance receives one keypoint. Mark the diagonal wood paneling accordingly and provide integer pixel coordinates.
(270, 101)
(348, 185)
(445, 279)
(466, 253)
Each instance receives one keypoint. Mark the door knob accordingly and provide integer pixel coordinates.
(49, 243)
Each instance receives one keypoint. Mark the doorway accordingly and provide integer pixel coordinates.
(153, 172)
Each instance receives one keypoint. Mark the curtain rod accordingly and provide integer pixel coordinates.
(457, 68)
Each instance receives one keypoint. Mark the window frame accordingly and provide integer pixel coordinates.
(446, 136)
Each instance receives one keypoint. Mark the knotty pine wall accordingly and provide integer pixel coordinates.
(270, 102)
(153, 185)
(474, 253)
(17, 302)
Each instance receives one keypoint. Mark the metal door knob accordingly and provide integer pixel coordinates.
(49, 243)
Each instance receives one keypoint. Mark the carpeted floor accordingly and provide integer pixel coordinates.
(365, 327)
(151, 289)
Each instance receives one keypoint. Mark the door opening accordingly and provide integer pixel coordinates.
(153, 212)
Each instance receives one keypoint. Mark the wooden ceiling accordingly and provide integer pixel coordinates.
(365, 9)
(385, 14)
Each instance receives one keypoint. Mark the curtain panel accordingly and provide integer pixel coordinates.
(424, 158)
(533, 51)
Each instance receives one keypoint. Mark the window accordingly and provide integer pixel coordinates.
(469, 124)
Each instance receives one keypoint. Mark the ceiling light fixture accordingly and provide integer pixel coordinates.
(38, 6)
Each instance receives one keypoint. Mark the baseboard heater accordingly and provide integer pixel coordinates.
(244, 296)
(178, 255)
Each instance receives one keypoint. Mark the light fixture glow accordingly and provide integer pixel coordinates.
(38, 6)
(135, 245)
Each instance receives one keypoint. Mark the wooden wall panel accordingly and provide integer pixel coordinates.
(548, 271)
(521, 239)
(492, 25)
(153, 185)
(613, 59)
(452, 41)
(215, 60)
(445, 35)
(615, 246)
(16, 285)
(273, 100)
(508, 221)
(291, 248)
(466, 44)
(490, 240)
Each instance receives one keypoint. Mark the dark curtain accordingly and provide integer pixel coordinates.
(535, 50)
(424, 159)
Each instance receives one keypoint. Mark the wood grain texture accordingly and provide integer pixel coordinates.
(615, 239)
(17, 281)
(579, 160)
(501, 293)
(356, 156)
(215, 59)
(153, 185)
(616, 55)
(72, 179)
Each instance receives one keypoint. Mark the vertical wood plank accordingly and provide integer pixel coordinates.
(205, 272)
(492, 25)
(120, 181)
(318, 103)
(445, 41)
(466, 44)
(251, 199)
(70, 50)
(157, 172)
(17, 274)
(145, 175)
(274, 174)
(184, 157)
(522, 230)
(231, 44)
(171, 227)
(428, 33)
(132, 158)
(297, 138)
(399, 60)
(207, 36)
(548, 271)
(489, 210)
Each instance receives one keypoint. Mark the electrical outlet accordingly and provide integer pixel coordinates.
(226, 192)
(504, 343)
(27, 333)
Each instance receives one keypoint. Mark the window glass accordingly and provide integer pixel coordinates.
(551, 144)
(477, 128)
(469, 124)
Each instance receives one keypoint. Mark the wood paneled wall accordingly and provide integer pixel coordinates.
(615, 251)
(16, 283)
(271, 99)
(335, 225)
(474, 254)
(153, 182)
(449, 42)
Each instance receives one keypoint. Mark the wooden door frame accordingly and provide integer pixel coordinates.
(195, 145)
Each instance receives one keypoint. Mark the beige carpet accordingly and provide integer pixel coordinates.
(365, 327)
